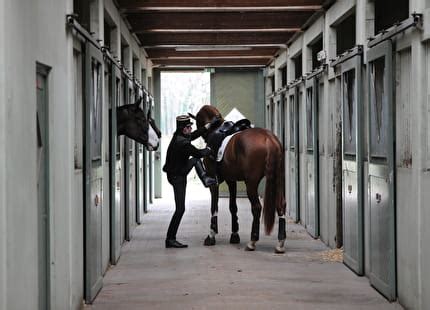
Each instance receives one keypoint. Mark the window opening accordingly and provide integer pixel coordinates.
(316, 48)
(298, 66)
(389, 12)
(345, 35)
(82, 9)
(284, 76)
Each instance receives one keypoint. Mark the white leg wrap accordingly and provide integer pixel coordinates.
(251, 244)
(281, 247)
(212, 233)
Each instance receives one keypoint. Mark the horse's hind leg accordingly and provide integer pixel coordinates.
(251, 190)
(282, 235)
(232, 188)
(210, 239)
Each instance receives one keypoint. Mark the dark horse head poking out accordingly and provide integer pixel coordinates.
(135, 124)
(249, 156)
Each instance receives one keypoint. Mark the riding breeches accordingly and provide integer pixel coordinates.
(179, 183)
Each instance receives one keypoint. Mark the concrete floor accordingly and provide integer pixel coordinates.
(149, 276)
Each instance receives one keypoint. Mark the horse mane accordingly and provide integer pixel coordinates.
(206, 114)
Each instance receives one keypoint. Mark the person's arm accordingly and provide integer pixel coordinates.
(191, 150)
(197, 133)
(215, 122)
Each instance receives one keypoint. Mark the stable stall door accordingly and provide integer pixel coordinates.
(42, 186)
(139, 184)
(115, 168)
(129, 171)
(138, 174)
(382, 245)
(294, 188)
(350, 65)
(312, 180)
(93, 172)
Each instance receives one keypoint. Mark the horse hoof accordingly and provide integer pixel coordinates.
(234, 238)
(279, 250)
(209, 241)
(248, 248)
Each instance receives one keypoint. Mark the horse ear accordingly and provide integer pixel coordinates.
(191, 115)
(137, 103)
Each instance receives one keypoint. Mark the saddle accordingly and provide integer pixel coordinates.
(215, 138)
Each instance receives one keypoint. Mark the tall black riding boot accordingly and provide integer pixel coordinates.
(201, 172)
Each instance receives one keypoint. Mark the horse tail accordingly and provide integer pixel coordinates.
(273, 196)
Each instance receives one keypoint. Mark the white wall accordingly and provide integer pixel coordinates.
(3, 230)
(37, 33)
(20, 189)
(30, 32)
(50, 31)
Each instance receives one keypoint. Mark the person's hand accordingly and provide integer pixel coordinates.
(212, 123)
(207, 152)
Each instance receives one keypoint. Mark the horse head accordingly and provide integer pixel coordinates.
(208, 114)
(135, 124)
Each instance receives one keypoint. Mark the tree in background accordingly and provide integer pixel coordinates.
(182, 92)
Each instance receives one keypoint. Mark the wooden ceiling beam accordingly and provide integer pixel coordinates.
(167, 21)
(234, 38)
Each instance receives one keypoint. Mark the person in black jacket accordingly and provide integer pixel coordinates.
(178, 165)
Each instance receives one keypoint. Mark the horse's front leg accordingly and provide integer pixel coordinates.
(210, 239)
(252, 193)
(234, 237)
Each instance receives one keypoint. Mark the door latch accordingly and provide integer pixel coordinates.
(378, 198)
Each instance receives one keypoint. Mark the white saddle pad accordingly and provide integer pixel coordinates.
(224, 143)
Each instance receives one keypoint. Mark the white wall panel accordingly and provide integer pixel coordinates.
(3, 230)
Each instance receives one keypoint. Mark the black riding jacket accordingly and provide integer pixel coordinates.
(179, 151)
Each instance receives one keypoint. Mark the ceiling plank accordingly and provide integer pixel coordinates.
(218, 5)
(178, 39)
(210, 62)
(267, 20)
(171, 52)
(229, 33)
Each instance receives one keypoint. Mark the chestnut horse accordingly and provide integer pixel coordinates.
(249, 156)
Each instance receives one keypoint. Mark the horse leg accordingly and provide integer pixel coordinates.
(234, 237)
(251, 190)
(282, 235)
(210, 239)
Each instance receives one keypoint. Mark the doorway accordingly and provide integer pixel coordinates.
(181, 93)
